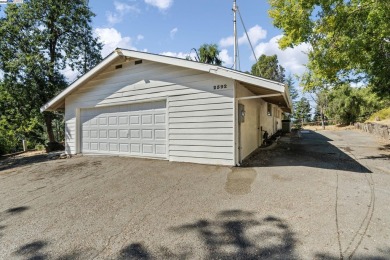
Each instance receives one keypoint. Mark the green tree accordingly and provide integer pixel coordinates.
(349, 39)
(344, 104)
(294, 93)
(302, 110)
(321, 99)
(209, 53)
(17, 122)
(268, 67)
(38, 40)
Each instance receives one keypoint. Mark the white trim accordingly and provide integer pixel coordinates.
(167, 130)
(78, 131)
(212, 69)
(235, 122)
(261, 96)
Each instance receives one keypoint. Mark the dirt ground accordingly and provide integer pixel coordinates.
(324, 195)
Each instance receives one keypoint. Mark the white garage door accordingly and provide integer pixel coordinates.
(137, 129)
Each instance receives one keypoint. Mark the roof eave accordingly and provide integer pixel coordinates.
(51, 105)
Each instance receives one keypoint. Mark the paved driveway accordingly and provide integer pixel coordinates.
(324, 196)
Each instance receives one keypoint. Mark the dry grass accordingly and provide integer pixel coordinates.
(329, 127)
(381, 115)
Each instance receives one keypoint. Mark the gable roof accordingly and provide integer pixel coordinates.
(252, 80)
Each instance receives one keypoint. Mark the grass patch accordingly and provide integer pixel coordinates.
(381, 115)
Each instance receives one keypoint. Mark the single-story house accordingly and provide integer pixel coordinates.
(147, 105)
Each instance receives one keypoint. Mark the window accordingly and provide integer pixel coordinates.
(269, 109)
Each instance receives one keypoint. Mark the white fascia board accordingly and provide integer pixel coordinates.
(250, 79)
(165, 59)
(49, 105)
(213, 69)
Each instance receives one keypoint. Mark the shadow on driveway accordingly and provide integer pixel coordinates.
(311, 150)
(12, 162)
(233, 234)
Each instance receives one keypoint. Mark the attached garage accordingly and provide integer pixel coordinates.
(146, 105)
(137, 130)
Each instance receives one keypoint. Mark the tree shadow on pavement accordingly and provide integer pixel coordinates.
(33, 250)
(12, 162)
(385, 256)
(10, 213)
(378, 157)
(234, 234)
(311, 150)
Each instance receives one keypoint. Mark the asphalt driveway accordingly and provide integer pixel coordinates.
(323, 196)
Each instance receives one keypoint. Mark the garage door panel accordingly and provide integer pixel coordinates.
(161, 149)
(147, 134)
(160, 134)
(123, 133)
(113, 133)
(135, 134)
(103, 147)
(147, 148)
(112, 121)
(123, 120)
(135, 148)
(102, 121)
(134, 120)
(159, 119)
(114, 147)
(94, 146)
(94, 134)
(138, 130)
(147, 119)
(124, 147)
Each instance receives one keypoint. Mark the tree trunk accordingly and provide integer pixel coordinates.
(322, 118)
(48, 121)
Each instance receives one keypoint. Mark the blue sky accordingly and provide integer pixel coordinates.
(174, 27)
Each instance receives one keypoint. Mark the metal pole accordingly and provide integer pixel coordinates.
(235, 34)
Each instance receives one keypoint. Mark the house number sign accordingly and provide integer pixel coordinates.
(220, 86)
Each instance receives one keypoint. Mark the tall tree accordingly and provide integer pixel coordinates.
(293, 90)
(302, 110)
(320, 97)
(268, 67)
(344, 104)
(38, 40)
(350, 40)
(209, 53)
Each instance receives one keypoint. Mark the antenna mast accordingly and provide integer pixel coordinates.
(235, 34)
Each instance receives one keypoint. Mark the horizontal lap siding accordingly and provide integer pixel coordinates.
(201, 129)
(200, 118)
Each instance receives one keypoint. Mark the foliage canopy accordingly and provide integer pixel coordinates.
(39, 39)
(268, 67)
(209, 53)
(350, 40)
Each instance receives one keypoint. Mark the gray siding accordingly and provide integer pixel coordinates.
(200, 118)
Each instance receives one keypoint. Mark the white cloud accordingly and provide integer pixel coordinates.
(112, 39)
(181, 55)
(70, 75)
(226, 59)
(160, 4)
(223, 55)
(173, 32)
(292, 59)
(140, 37)
(256, 33)
(121, 9)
